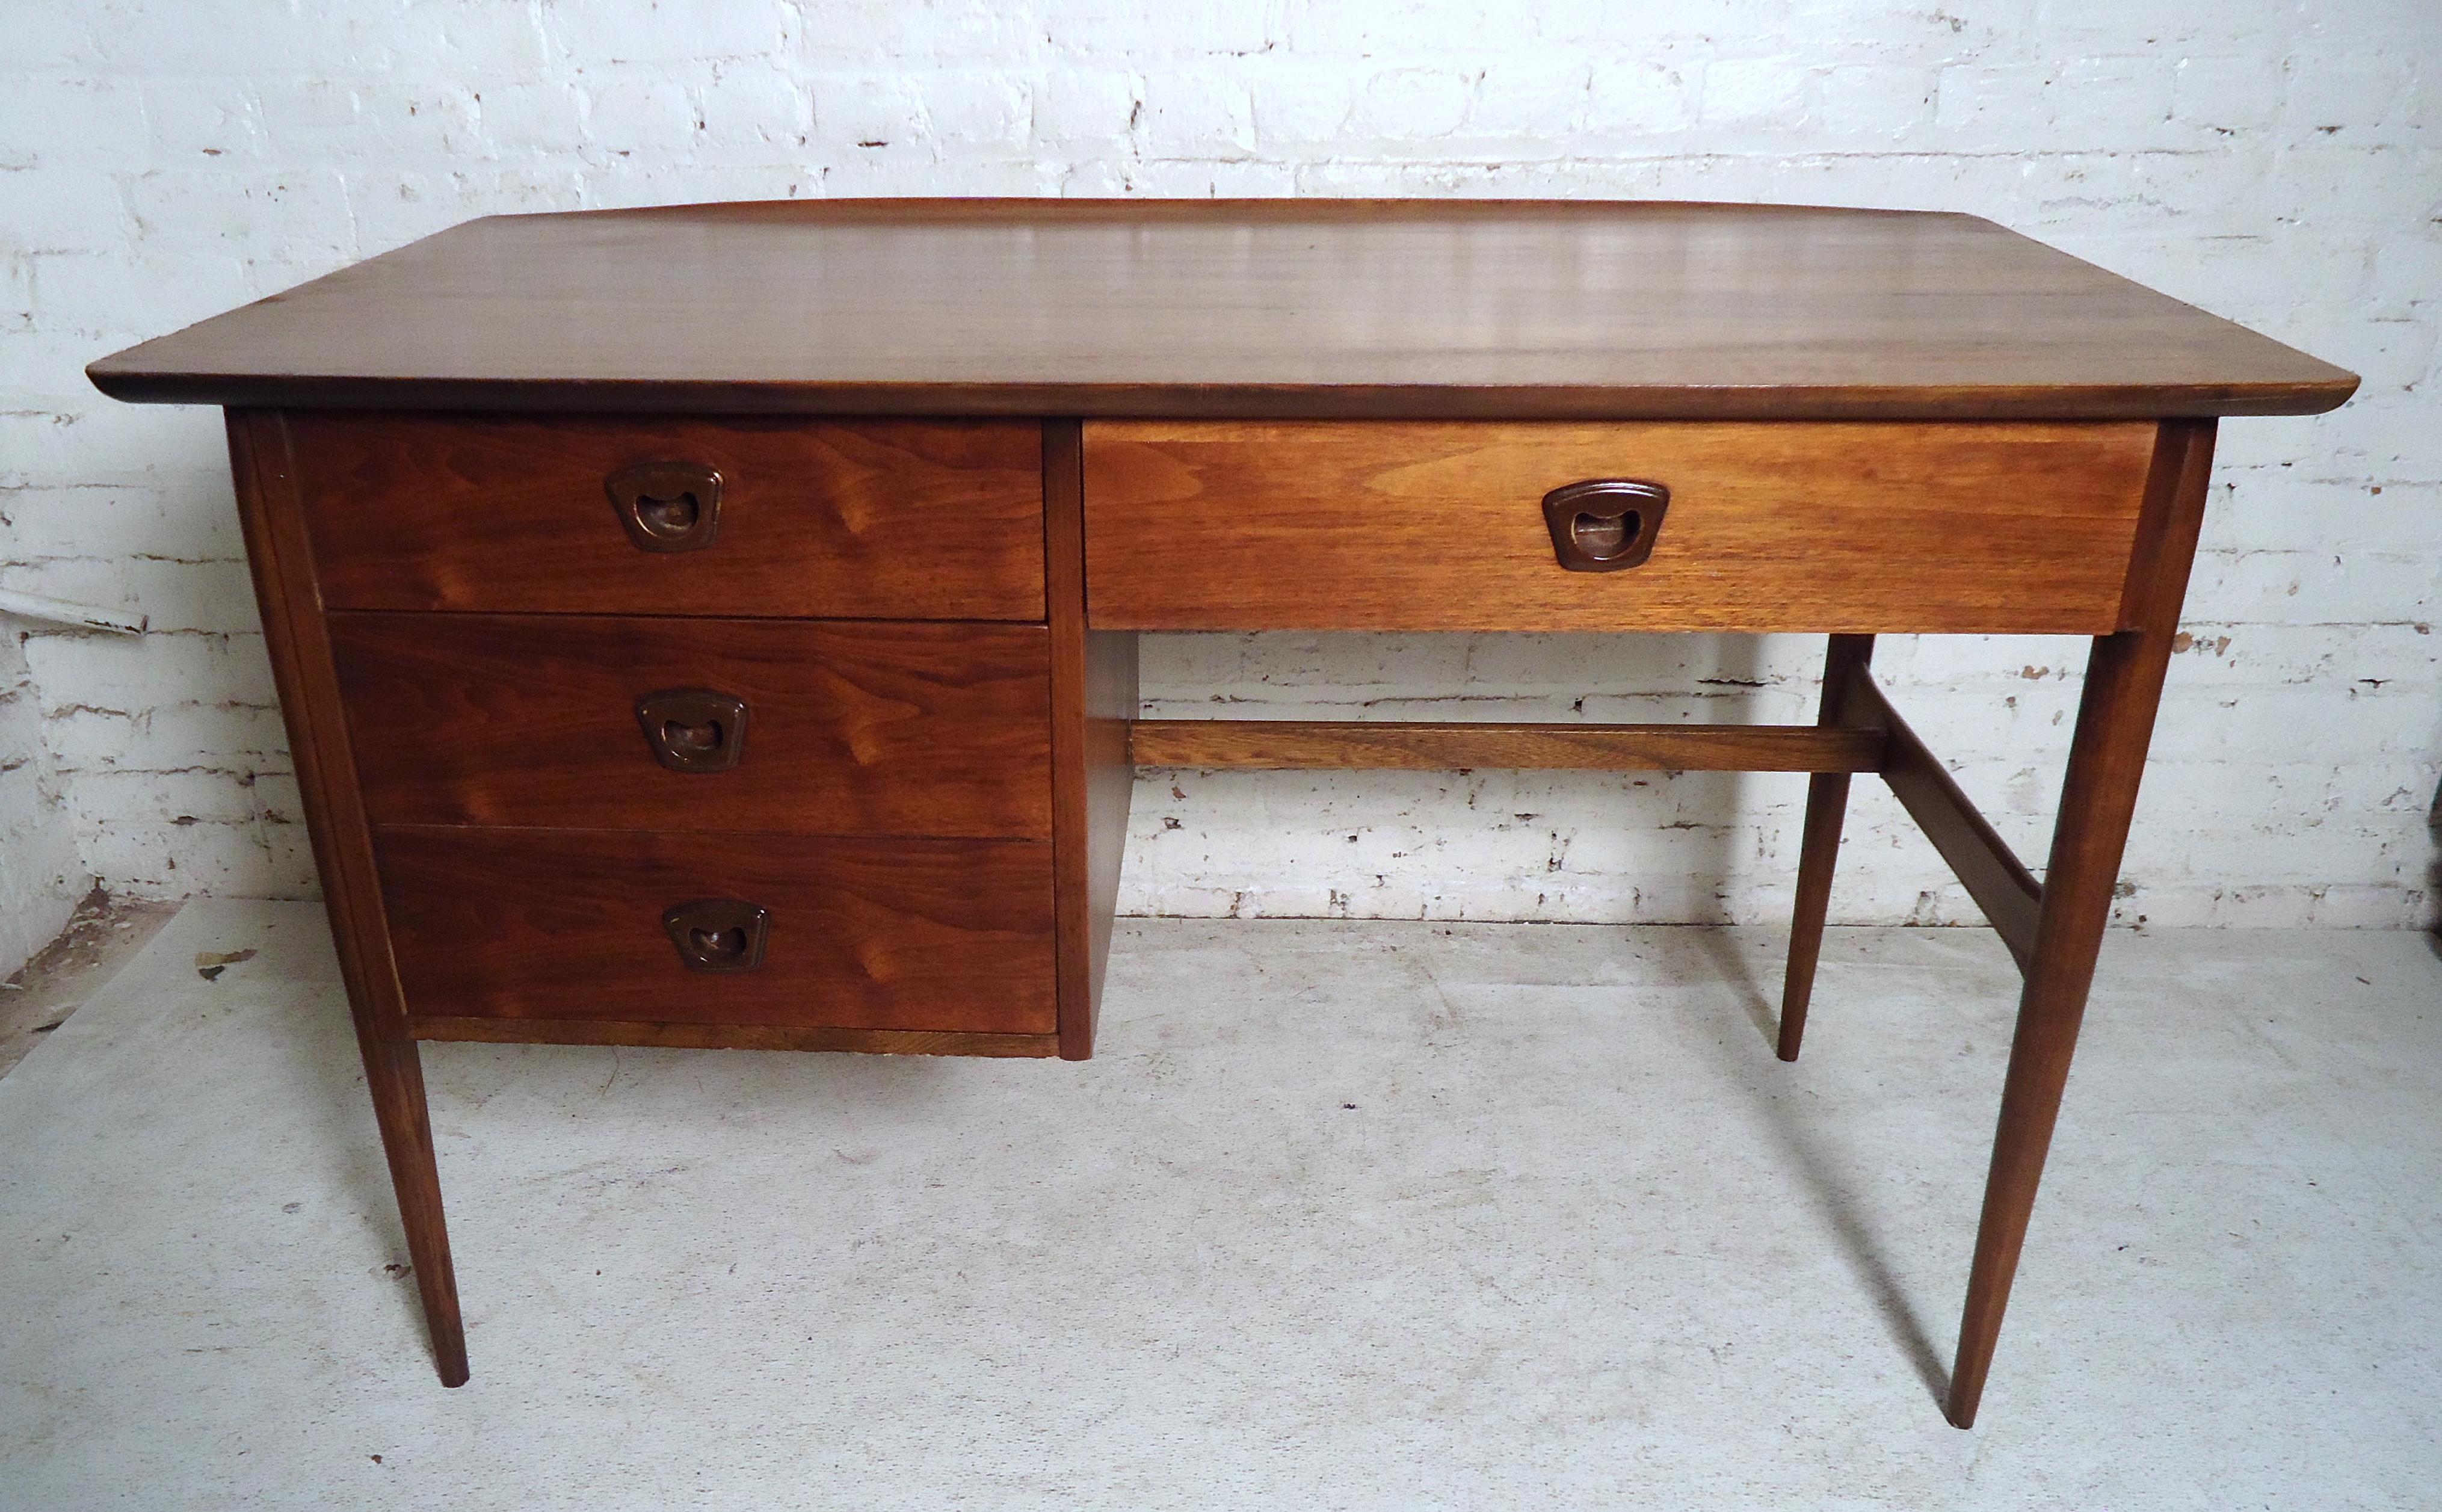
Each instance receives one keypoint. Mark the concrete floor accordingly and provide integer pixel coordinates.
(1345, 1215)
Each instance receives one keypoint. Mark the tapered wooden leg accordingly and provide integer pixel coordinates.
(2114, 725)
(299, 646)
(1827, 805)
(2104, 763)
(394, 1072)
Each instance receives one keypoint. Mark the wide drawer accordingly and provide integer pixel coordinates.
(852, 519)
(942, 935)
(1427, 526)
(807, 727)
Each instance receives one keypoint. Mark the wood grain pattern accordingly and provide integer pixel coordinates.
(1858, 528)
(2115, 725)
(1094, 699)
(1468, 310)
(864, 519)
(1302, 746)
(898, 933)
(273, 521)
(730, 1036)
(852, 728)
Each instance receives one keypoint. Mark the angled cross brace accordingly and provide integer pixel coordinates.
(1981, 860)
(1861, 732)
(2003, 888)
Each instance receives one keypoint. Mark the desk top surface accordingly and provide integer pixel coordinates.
(1278, 308)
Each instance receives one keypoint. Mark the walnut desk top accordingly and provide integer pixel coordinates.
(1467, 310)
(715, 625)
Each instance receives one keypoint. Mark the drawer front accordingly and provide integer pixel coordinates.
(1797, 526)
(570, 722)
(943, 935)
(851, 520)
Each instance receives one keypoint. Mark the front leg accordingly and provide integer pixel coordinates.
(2114, 725)
(300, 646)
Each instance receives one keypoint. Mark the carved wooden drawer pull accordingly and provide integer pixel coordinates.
(694, 729)
(667, 506)
(1605, 524)
(718, 934)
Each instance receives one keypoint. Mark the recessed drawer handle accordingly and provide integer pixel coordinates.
(1605, 524)
(694, 729)
(667, 506)
(718, 934)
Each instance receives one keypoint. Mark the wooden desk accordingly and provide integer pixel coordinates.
(715, 625)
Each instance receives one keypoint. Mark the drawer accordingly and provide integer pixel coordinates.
(851, 520)
(942, 934)
(839, 727)
(1791, 527)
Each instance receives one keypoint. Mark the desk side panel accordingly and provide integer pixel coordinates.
(1093, 706)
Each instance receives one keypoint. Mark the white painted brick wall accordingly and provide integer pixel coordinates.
(2272, 160)
(42, 875)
